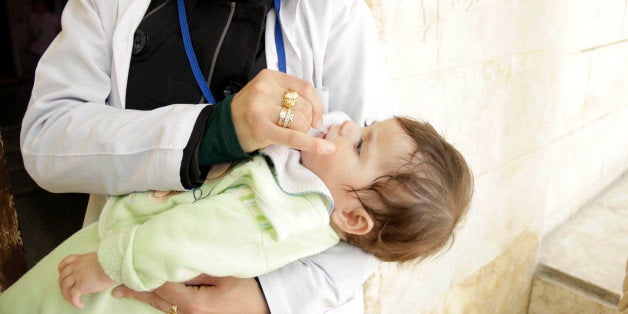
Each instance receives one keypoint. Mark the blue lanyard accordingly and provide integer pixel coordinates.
(281, 51)
(189, 50)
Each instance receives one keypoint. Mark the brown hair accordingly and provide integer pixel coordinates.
(416, 208)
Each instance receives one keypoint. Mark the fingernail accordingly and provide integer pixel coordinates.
(318, 124)
(118, 294)
(328, 147)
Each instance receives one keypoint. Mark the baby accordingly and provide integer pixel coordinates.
(396, 189)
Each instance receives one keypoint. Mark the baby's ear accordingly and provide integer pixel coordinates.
(353, 221)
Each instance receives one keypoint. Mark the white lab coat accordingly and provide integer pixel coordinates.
(76, 137)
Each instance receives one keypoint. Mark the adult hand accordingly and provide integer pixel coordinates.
(255, 111)
(203, 294)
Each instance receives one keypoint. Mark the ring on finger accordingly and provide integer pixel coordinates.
(290, 98)
(286, 115)
(282, 116)
(173, 309)
(288, 120)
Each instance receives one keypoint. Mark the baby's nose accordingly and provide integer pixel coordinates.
(347, 127)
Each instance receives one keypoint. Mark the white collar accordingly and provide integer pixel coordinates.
(292, 177)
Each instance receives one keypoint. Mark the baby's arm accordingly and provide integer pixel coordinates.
(81, 274)
(218, 235)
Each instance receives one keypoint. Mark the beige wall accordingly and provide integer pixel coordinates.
(535, 95)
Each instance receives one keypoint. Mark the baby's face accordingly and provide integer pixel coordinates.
(362, 155)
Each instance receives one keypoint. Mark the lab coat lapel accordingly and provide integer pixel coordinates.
(288, 22)
(288, 14)
(130, 14)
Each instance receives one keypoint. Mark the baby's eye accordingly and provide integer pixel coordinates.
(358, 146)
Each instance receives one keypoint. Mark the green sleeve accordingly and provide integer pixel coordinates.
(178, 239)
(177, 244)
(219, 143)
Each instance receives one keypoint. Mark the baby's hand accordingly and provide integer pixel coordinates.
(81, 274)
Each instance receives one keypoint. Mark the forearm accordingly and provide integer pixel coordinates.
(94, 148)
(216, 235)
(219, 143)
(185, 244)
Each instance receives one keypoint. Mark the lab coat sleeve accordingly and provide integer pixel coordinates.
(75, 138)
(355, 73)
(328, 282)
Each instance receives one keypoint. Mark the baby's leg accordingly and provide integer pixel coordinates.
(38, 290)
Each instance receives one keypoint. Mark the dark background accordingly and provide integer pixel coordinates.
(45, 219)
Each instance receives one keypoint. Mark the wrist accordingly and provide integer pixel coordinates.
(102, 276)
(220, 143)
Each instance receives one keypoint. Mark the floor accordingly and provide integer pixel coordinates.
(583, 261)
(45, 219)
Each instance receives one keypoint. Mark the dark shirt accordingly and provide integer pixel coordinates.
(228, 39)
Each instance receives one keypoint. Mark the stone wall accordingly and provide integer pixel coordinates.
(535, 95)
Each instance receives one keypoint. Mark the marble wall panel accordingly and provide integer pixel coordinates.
(590, 85)
(426, 97)
(501, 286)
(579, 25)
(616, 158)
(609, 20)
(425, 36)
(405, 37)
(404, 289)
(624, 24)
(577, 169)
(608, 80)
(534, 94)
(580, 19)
(568, 96)
(508, 201)
(495, 111)
(505, 206)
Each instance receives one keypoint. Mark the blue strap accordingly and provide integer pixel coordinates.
(189, 50)
(279, 45)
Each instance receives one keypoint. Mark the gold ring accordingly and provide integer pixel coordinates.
(173, 309)
(282, 116)
(288, 120)
(290, 98)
